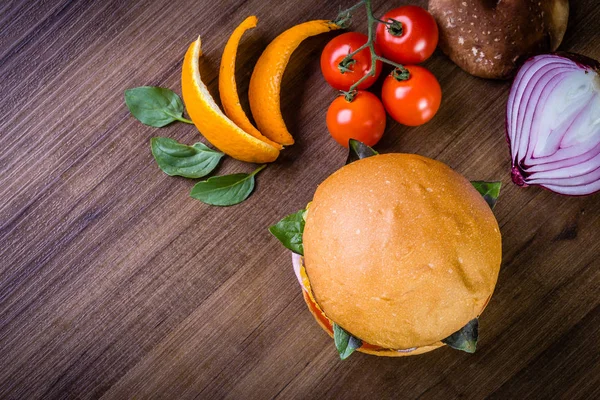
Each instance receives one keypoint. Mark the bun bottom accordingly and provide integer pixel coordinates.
(366, 348)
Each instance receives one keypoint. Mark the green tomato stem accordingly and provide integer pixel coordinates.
(355, 52)
(371, 21)
(344, 18)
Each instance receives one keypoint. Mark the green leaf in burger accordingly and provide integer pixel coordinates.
(466, 338)
(358, 150)
(344, 342)
(289, 231)
(489, 190)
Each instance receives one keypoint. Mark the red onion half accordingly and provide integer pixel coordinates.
(553, 124)
(297, 263)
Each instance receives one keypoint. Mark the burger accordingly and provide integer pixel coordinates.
(397, 255)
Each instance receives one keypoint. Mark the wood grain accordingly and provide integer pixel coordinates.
(114, 283)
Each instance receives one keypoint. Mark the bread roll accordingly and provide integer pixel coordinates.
(400, 250)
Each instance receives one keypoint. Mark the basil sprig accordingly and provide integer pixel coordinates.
(345, 343)
(289, 231)
(158, 107)
(225, 190)
(466, 338)
(176, 159)
(489, 190)
(358, 150)
(155, 106)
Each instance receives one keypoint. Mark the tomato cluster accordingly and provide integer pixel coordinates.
(407, 35)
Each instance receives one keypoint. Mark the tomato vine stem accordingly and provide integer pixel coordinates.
(395, 27)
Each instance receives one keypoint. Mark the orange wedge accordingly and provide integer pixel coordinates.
(265, 83)
(215, 126)
(228, 85)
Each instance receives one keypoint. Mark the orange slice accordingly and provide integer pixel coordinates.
(228, 85)
(219, 130)
(265, 83)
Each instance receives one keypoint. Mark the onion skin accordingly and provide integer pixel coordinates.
(516, 177)
(552, 124)
(583, 61)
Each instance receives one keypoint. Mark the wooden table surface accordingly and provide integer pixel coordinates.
(114, 283)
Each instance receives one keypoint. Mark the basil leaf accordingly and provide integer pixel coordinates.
(225, 190)
(358, 150)
(466, 338)
(344, 342)
(155, 106)
(176, 159)
(489, 190)
(289, 231)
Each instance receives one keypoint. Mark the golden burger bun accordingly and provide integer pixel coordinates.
(400, 251)
(367, 348)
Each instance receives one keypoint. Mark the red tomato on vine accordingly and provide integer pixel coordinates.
(414, 101)
(336, 50)
(413, 40)
(362, 119)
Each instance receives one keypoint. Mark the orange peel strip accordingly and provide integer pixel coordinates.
(265, 83)
(215, 126)
(228, 86)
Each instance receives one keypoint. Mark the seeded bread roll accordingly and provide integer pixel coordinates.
(400, 250)
(491, 38)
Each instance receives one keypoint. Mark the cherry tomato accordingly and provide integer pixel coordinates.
(362, 119)
(335, 51)
(414, 101)
(419, 36)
